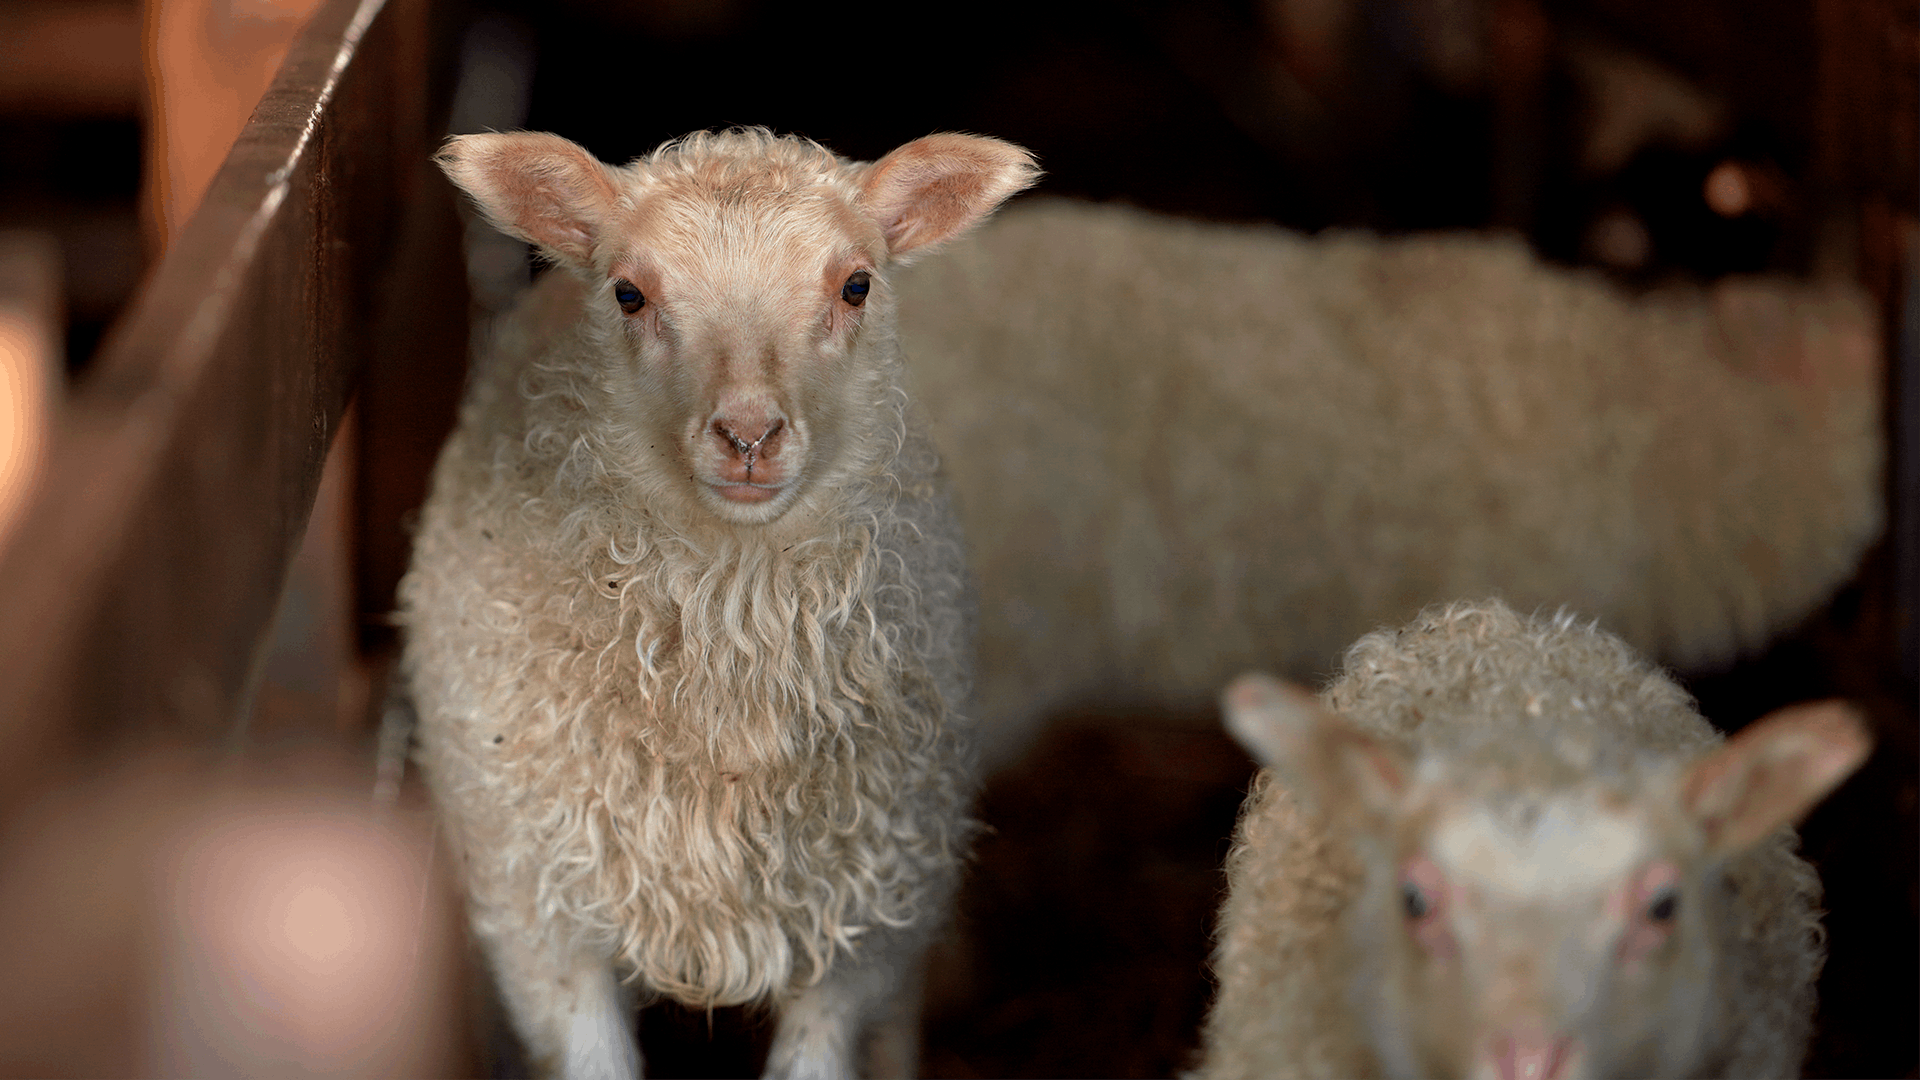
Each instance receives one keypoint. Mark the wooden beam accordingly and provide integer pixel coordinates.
(136, 593)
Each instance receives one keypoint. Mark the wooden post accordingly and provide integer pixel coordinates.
(137, 591)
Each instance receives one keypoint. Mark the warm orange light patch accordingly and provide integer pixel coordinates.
(23, 392)
(208, 63)
(29, 359)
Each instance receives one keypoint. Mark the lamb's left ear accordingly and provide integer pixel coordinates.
(1327, 762)
(1772, 772)
(936, 188)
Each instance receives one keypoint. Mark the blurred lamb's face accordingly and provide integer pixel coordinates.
(1519, 926)
(749, 324)
(1545, 941)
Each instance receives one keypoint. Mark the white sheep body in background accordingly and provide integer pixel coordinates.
(686, 625)
(1507, 846)
(1182, 450)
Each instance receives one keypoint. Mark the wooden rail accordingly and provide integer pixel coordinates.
(138, 586)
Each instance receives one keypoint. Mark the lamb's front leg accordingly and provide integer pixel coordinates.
(866, 1010)
(568, 1008)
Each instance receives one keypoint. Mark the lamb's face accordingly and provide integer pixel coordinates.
(736, 286)
(1549, 936)
(1522, 918)
(757, 335)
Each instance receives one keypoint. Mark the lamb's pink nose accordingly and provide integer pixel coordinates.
(749, 440)
(1531, 1054)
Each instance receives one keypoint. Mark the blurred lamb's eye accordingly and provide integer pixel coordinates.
(629, 296)
(1663, 905)
(1415, 901)
(855, 290)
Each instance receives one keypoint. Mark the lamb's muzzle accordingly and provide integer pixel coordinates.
(739, 481)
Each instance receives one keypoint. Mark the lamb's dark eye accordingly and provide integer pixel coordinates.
(1665, 903)
(855, 290)
(629, 296)
(1414, 900)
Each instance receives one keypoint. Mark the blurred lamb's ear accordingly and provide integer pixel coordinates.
(1773, 772)
(538, 187)
(1270, 719)
(1317, 754)
(936, 188)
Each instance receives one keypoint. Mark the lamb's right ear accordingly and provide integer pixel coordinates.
(1341, 771)
(535, 186)
(935, 188)
(1772, 772)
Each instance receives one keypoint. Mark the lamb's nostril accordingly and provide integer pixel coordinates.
(725, 434)
(768, 439)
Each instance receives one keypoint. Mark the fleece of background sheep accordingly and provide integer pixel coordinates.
(1183, 449)
(717, 755)
(1461, 682)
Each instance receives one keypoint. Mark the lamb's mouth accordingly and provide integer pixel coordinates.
(748, 493)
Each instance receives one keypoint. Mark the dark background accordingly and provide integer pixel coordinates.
(1082, 941)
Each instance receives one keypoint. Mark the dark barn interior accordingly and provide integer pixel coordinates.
(1654, 142)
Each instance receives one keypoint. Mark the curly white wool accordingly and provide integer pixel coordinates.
(1183, 449)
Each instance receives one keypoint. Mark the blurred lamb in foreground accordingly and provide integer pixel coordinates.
(1509, 847)
(1183, 450)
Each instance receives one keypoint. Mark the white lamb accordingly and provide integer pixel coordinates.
(686, 626)
(1507, 847)
(1183, 449)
